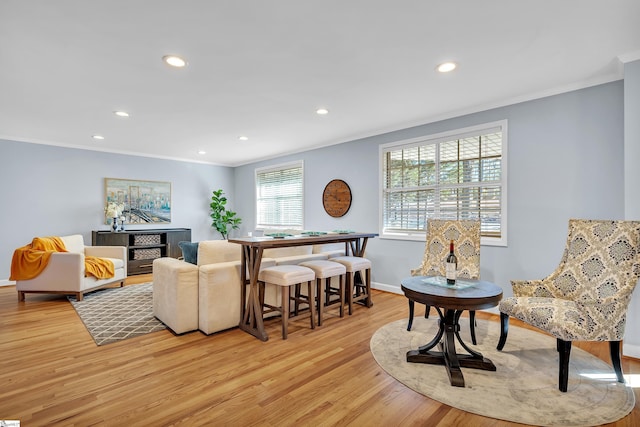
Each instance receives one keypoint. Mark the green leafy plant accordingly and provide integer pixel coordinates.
(223, 220)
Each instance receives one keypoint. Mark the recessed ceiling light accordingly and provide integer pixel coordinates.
(202, 152)
(322, 111)
(97, 137)
(174, 61)
(243, 138)
(121, 113)
(445, 67)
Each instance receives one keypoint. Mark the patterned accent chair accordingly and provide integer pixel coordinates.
(586, 297)
(466, 239)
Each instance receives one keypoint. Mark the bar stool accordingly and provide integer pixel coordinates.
(287, 276)
(361, 290)
(326, 270)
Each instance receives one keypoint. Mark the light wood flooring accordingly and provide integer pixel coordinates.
(53, 374)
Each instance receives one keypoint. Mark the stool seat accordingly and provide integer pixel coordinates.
(357, 291)
(353, 263)
(287, 276)
(326, 270)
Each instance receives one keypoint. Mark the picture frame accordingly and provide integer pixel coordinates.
(138, 201)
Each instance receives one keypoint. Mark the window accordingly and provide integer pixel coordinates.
(456, 175)
(279, 198)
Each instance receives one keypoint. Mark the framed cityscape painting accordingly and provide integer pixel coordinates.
(139, 202)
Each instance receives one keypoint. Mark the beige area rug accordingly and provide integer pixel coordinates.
(115, 314)
(524, 388)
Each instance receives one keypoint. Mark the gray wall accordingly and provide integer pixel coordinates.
(55, 191)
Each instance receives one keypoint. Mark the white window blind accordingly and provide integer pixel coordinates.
(460, 175)
(279, 196)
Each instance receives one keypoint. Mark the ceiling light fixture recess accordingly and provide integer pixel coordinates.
(97, 137)
(322, 111)
(202, 152)
(243, 138)
(445, 67)
(174, 61)
(121, 113)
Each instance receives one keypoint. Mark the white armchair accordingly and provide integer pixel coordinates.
(65, 272)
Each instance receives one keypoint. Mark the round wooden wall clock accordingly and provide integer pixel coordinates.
(336, 198)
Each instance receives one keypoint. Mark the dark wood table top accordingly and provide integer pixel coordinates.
(300, 240)
(467, 294)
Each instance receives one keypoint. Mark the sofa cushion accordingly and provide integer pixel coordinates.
(214, 251)
(74, 243)
(117, 262)
(189, 251)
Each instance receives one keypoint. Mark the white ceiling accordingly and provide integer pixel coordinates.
(261, 68)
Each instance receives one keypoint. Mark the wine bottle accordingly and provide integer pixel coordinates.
(451, 265)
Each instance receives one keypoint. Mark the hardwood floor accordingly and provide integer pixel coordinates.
(53, 374)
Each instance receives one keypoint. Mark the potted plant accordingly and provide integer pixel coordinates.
(223, 219)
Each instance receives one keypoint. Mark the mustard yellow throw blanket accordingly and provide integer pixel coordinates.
(29, 261)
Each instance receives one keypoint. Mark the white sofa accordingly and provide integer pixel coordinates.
(207, 296)
(64, 274)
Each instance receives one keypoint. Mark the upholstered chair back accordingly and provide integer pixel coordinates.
(600, 264)
(466, 238)
(600, 259)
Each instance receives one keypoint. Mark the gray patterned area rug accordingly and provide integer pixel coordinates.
(524, 389)
(116, 314)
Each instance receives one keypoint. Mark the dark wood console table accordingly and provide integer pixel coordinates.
(467, 294)
(143, 246)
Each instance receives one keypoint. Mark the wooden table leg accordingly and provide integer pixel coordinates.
(252, 319)
(450, 328)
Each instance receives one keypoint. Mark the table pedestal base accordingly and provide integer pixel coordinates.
(449, 328)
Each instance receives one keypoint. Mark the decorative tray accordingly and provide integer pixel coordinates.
(279, 235)
(441, 281)
(313, 233)
(343, 231)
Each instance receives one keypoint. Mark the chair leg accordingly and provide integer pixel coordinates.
(411, 307)
(614, 350)
(341, 282)
(312, 305)
(319, 297)
(427, 310)
(349, 291)
(472, 326)
(504, 329)
(369, 300)
(564, 351)
(296, 305)
(285, 311)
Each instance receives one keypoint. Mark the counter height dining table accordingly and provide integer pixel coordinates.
(251, 319)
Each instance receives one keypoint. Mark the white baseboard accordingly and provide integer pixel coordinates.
(387, 288)
(631, 350)
(7, 283)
